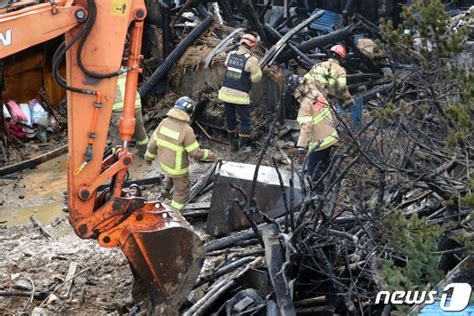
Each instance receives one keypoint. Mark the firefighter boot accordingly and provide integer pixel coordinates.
(141, 150)
(244, 146)
(234, 143)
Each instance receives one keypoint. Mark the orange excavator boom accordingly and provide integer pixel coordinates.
(161, 247)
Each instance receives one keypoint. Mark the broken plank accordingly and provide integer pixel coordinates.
(221, 47)
(312, 301)
(275, 260)
(175, 55)
(215, 288)
(40, 226)
(31, 163)
(276, 49)
(36, 295)
(195, 213)
(67, 287)
(197, 206)
(252, 17)
(224, 270)
(232, 239)
(323, 40)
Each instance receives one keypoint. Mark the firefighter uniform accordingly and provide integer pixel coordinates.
(140, 134)
(318, 130)
(172, 142)
(242, 70)
(332, 80)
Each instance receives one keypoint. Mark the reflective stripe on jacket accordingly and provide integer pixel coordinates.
(331, 78)
(316, 122)
(172, 141)
(120, 94)
(230, 95)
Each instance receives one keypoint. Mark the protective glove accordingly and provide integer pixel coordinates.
(301, 153)
(212, 156)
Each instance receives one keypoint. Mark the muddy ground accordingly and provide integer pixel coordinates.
(33, 264)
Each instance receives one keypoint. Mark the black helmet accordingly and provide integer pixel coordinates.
(185, 104)
(294, 81)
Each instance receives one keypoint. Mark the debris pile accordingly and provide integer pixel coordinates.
(374, 219)
(393, 211)
(29, 120)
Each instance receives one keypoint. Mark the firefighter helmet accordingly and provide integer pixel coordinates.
(185, 104)
(294, 81)
(249, 40)
(339, 50)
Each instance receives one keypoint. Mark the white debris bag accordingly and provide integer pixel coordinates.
(6, 113)
(39, 115)
(25, 108)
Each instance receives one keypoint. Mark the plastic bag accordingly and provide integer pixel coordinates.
(17, 114)
(39, 115)
(26, 110)
(53, 124)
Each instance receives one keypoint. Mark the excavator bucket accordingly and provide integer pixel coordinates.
(164, 253)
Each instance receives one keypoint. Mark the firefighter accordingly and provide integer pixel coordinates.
(140, 135)
(173, 141)
(331, 77)
(317, 129)
(242, 70)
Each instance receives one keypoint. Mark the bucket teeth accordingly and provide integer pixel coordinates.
(167, 260)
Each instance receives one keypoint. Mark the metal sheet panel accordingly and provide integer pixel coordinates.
(225, 216)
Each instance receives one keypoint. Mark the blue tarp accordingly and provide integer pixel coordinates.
(327, 22)
(435, 310)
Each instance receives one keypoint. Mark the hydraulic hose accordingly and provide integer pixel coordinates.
(87, 30)
(57, 59)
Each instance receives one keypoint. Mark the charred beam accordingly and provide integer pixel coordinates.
(175, 55)
(276, 49)
(301, 58)
(31, 163)
(323, 40)
(275, 260)
(252, 17)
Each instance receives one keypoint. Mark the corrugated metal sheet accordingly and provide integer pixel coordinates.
(326, 23)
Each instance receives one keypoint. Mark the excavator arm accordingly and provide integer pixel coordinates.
(162, 249)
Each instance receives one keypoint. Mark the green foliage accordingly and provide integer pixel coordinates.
(454, 139)
(468, 199)
(460, 113)
(433, 42)
(430, 21)
(465, 238)
(386, 114)
(413, 261)
(414, 243)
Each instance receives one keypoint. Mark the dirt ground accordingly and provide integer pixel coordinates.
(34, 264)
